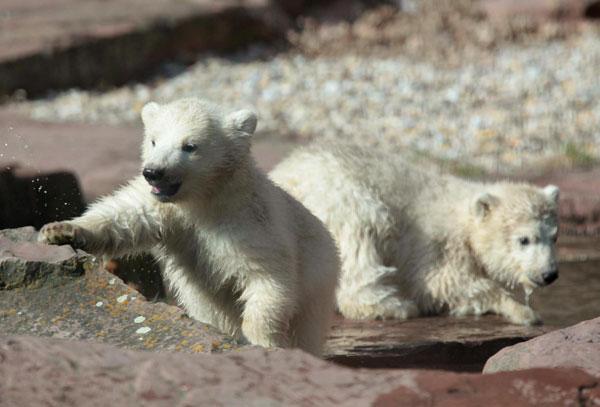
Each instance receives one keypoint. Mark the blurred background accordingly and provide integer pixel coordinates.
(485, 88)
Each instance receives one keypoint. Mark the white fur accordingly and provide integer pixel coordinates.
(239, 252)
(415, 241)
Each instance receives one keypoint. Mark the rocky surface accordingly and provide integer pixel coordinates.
(56, 291)
(42, 371)
(577, 345)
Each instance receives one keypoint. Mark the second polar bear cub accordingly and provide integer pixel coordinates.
(415, 241)
(238, 251)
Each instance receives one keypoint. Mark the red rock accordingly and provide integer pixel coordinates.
(576, 346)
(538, 387)
(50, 372)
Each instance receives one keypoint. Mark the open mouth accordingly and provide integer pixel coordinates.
(165, 191)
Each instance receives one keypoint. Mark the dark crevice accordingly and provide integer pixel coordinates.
(593, 10)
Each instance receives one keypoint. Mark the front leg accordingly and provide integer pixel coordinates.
(516, 312)
(267, 313)
(60, 233)
(492, 298)
(126, 222)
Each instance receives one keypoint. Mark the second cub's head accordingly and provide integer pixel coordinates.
(188, 144)
(514, 233)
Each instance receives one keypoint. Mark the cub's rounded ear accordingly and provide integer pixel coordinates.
(482, 205)
(149, 111)
(243, 120)
(552, 192)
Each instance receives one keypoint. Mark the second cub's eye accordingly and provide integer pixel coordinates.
(189, 147)
(153, 143)
(524, 241)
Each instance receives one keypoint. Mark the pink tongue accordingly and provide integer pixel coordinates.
(156, 190)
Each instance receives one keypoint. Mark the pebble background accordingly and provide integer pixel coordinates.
(525, 106)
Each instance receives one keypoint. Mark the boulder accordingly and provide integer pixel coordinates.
(576, 346)
(58, 373)
(65, 293)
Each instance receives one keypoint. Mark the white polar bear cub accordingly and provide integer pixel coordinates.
(415, 241)
(238, 251)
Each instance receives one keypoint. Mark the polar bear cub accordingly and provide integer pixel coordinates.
(238, 252)
(415, 241)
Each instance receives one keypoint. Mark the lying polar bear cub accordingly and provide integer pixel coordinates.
(414, 241)
(239, 252)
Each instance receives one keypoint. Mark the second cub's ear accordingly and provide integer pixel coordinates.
(149, 111)
(552, 192)
(482, 205)
(242, 120)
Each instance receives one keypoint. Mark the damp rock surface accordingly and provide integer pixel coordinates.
(439, 342)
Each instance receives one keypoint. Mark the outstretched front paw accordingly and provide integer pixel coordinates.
(61, 233)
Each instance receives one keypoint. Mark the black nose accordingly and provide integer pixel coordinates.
(153, 175)
(550, 276)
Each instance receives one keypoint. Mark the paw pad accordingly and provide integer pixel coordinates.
(58, 233)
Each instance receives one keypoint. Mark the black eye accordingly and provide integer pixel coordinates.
(524, 241)
(189, 148)
(554, 239)
(153, 143)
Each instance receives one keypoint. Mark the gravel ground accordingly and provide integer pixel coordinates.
(525, 106)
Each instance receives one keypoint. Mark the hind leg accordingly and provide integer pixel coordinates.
(374, 301)
(367, 290)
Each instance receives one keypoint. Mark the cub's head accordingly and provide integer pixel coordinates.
(514, 233)
(188, 146)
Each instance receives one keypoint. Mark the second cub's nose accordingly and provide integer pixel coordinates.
(153, 175)
(550, 276)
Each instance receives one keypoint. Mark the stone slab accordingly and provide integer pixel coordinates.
(59, 292)
(58, 373)
(440, 342)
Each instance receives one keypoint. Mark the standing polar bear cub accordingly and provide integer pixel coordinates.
(239, 252)
(414, 241)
